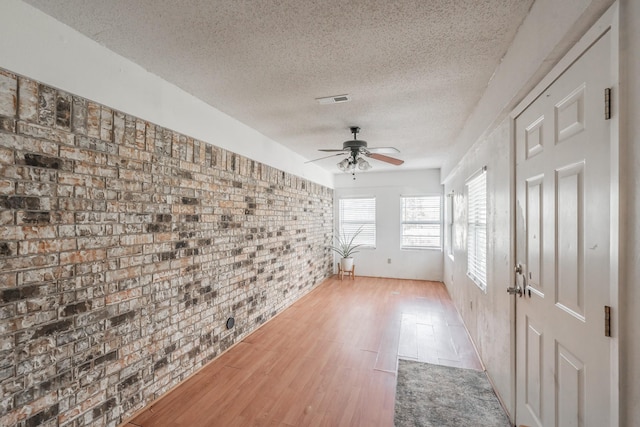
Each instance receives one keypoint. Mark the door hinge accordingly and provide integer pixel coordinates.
(607, 321)
(607, 103)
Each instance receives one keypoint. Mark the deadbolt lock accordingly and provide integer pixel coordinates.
(518, 269)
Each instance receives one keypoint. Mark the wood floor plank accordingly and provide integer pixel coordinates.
(328, 360)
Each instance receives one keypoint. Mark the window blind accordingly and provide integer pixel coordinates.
(421, 222)
(358, 214)
(450, 223)
(477, 229)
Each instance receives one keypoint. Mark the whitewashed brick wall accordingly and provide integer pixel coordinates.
(124, 248)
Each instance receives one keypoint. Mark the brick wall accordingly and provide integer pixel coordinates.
(124, 247)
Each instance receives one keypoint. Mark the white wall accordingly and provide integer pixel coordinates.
(37, 46)
(387, 187)
(488, 316)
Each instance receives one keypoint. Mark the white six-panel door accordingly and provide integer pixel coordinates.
(562, 242)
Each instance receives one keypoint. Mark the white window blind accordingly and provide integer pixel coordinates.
(421, 222)
(450, 222)
(358, 214)
(477, 229)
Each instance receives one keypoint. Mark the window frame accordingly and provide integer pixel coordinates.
(449, 223)
(439, 222)
(370, 244)
(477, 230)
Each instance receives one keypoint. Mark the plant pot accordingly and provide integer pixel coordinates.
(346, 264)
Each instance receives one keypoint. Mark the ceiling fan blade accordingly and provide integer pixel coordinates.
(325, 157)
(332, 150)
(383, 150)
(384, 158)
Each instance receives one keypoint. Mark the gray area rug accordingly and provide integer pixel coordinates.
(440, 396)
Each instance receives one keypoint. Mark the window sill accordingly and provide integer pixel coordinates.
(480, 286)
(410, 248)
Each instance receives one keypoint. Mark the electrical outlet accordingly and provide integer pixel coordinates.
(388, 260)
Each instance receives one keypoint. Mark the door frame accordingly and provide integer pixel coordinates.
(608, 22)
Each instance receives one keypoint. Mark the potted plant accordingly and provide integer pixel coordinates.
(346, 248)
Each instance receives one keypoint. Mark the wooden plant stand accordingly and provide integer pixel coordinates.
(351, 273)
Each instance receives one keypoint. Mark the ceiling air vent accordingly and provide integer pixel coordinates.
(336, 99)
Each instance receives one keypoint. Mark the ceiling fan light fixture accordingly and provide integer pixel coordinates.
(363, 165)
(344, 165)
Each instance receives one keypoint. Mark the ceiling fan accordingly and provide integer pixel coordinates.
(355, 149)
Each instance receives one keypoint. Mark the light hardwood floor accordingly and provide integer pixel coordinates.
(328, 360)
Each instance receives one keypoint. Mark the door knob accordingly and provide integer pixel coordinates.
(515, 290)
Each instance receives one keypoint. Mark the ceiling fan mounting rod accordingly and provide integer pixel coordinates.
(354, 131)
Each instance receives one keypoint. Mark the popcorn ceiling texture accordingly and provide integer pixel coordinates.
(124, 247)
(415, 68)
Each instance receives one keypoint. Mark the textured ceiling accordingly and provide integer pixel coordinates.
(414, 68)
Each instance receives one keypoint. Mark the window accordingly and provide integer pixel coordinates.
(477, 229)
(421, 222)
(355, 214)
(449, 216)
